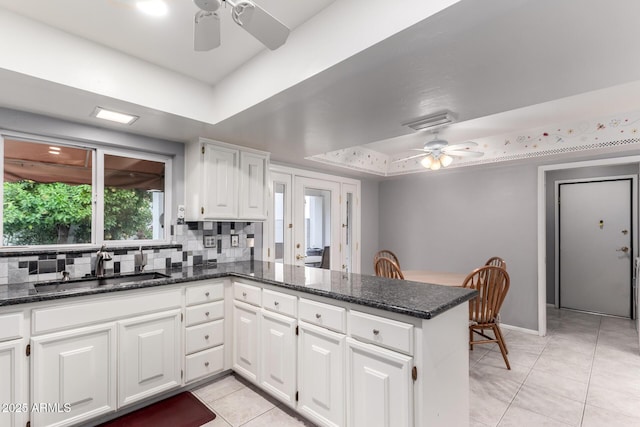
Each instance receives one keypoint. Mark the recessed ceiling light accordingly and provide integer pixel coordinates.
(114, 116)
(152, 7)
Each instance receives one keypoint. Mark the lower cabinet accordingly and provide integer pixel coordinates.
(74, 372)
(379, 386)
(149, 356)
(14, 408)
(245, 340)
(321, 381)
(278, 356)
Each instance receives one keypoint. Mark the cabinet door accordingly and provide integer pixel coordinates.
(13, 383)
(253, 168)
(75, 371)
(220, 183)
(245, 342)
(278, 356)
(321, 375)
(380, 388)
(149, 356)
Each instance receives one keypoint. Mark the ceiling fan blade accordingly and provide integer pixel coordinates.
(464, 153)
(206, 31)
(410, 157)
(260, 24)
(468, 144)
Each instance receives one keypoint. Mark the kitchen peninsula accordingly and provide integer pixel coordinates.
(341, 349)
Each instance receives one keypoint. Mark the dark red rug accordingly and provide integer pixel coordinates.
(181, 410)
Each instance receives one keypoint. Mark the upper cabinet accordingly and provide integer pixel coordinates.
(225, 181)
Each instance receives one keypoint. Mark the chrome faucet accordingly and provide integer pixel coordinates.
(101, 256)
(140, 260)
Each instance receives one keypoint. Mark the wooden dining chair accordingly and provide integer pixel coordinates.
(385, 254)
(497, 262)
(385, 267)
(492, 284)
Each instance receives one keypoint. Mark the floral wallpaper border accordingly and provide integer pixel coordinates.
(618, 130)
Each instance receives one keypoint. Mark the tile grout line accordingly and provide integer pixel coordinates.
(593, 359)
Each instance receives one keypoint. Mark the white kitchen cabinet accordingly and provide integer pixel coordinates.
(225, 181)
(15, 408)
(148, 356)
(278, 356)
(379, 386)
(321, 382)
(76, 371)
(204, 330)
(253, 182)
(245, 340)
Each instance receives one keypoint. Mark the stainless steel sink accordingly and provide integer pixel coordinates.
(97, 282)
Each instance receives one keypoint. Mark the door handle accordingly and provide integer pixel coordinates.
(624, 249)
(299, 257)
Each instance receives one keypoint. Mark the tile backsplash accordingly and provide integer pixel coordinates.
(225, 242)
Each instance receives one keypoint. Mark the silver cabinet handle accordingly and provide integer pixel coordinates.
(244, 294)
(206, 364)
(376, 332)
(206, 337)
(318, 315)
(207, 314)
(206, 294)
(276, 303)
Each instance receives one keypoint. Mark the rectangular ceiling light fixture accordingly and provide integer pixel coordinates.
(114, 116)
(433, 120)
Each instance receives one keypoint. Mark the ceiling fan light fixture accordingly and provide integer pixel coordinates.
(427, 161)
(445, 160)
(435, 165)
(431, 121)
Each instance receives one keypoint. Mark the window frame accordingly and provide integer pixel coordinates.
(98, 152)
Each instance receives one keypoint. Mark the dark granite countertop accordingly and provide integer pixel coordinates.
(415, 299)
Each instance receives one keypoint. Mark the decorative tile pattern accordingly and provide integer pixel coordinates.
(37, 266)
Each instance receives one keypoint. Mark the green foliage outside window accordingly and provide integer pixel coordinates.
(58, 213)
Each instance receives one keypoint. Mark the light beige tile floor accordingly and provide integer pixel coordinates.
(585, 372)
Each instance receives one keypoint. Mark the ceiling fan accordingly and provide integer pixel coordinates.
(247, 14)
(438, 153)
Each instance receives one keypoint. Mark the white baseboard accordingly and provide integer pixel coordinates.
(519, 329)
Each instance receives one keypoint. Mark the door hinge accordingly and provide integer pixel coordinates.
(268, 252)
(297, 331)
(414, 373)
(202, 210)
(203, 149)
(181, 374)
(28, 350)
(28, 423)
(182, 317)
(296, 396)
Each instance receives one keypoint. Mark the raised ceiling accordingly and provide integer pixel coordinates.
(351, 73)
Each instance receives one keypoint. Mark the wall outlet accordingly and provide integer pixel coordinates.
(235, 240)
(209, 241)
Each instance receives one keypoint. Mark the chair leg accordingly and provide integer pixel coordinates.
(470, 338)
(503, 349)
(499, 331)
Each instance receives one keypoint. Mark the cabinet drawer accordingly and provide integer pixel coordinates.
(326, 315)
(204, 336)
(205, 313)
(279, 302)
(247, 293)
(10, 326)
(204, 363)
(381, 331)
(205, 293)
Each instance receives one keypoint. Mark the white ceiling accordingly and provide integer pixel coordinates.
(351, 73)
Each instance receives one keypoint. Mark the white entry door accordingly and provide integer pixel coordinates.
(596, 246)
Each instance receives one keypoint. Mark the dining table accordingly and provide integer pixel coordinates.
(435, 277)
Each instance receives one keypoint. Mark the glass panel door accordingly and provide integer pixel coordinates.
(317, 230)
(280, 219)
